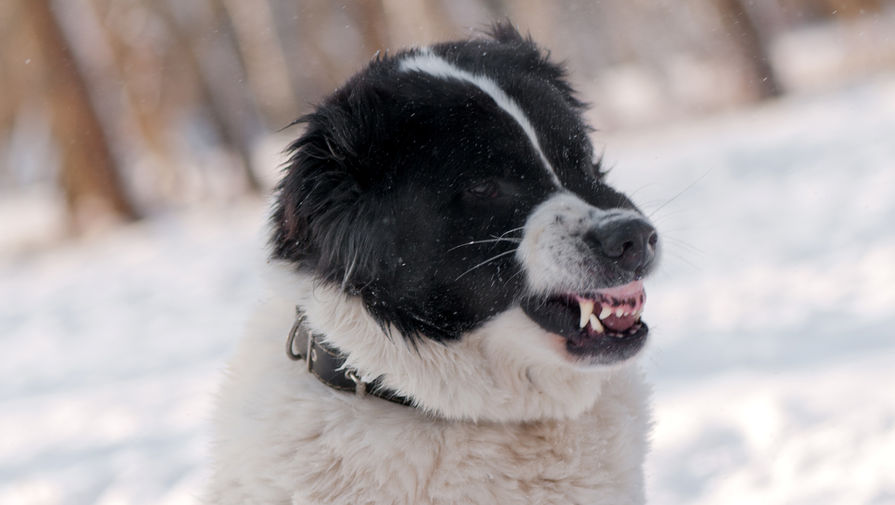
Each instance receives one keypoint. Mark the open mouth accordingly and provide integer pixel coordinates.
(603, 324)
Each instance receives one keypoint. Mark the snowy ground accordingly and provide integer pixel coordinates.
(774, 351)
(772, 356)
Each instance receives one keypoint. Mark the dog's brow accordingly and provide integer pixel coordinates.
(426, 62)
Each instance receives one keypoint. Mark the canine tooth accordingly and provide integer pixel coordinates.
(606, 312)
(587, 310)
(595, 324)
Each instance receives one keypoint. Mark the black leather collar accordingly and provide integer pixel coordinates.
(328, 364)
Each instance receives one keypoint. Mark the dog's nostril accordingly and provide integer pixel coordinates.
(630, 242)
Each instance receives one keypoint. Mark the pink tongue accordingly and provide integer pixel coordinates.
(616, 323)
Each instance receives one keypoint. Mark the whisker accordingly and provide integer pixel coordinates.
(511, 251)
(494, 238)
(631, 195)
(504, 234)
(684, 260)
(518, 271)
(486, 241)
(681, 192)
(683, 244)
(670, 213)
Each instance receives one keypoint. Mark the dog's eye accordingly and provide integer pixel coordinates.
(485, 190)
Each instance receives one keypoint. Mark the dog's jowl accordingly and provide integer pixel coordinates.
(459, 295)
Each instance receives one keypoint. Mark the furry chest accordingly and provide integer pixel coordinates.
(424, 461)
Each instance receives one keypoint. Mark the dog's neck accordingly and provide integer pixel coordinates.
(503, 371)
(328, 364)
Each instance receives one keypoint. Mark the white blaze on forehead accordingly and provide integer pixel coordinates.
(428, 63)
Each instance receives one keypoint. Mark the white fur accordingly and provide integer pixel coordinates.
(426, 62)
(551, 250)
(503, 417)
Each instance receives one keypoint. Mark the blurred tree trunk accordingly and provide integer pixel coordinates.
(88, 175)
(536, 18)
(263, 58)
(9, 44)
(497, 9)
(314, 21)
(752, 46)
(854, 7)
(370, 20)
(230, 116)
(123, 66)
(417, 22)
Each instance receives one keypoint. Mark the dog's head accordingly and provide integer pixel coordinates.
(449, 198)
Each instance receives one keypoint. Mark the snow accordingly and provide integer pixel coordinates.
(771, 356)
(111, 350)
(772, 315)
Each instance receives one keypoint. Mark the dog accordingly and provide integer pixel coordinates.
(459, 293)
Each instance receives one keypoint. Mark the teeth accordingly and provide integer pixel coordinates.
(587, 312)
(595, 324)
(606, 312)
(619, 312)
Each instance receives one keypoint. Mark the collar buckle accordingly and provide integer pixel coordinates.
(296, 332)
(328, 364)
(360, 387)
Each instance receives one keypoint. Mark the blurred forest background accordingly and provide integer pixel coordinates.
(772, 120)
(112, 110)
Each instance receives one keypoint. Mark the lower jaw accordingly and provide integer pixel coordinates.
(607, 349)
(584, 347)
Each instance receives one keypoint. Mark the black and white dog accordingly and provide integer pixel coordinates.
(461, 295)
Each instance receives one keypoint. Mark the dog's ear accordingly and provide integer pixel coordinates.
(319, 208)
(535, 60)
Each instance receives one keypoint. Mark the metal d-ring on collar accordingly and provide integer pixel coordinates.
(328, 364)
(297, 326)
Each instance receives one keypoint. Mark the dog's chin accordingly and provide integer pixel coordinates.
(597, 327)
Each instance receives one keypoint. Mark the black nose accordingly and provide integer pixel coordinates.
(630, 242)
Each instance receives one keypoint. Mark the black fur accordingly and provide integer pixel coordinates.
(396, 171)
